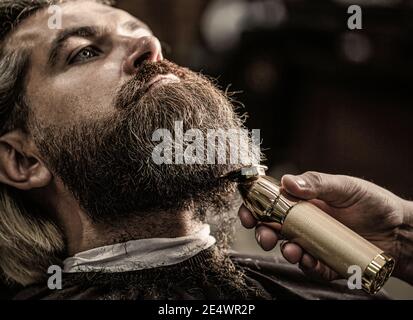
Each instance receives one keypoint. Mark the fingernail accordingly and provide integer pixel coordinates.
(258, 237)
(301, 183)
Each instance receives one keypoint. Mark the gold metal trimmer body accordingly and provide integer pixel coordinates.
(314, 230)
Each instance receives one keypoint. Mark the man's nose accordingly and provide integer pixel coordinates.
(144, 49)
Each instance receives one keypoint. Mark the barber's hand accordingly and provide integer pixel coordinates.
(373, 212)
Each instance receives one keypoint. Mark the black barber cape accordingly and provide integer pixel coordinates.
(265, 277)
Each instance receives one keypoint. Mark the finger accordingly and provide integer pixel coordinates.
(273, 225)
(266, 237)
(247, 219)
(307, 261)
(311, 272)
(320, 271)
(292, 252)
(336, 190)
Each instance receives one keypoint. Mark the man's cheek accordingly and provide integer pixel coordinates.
(81, 103)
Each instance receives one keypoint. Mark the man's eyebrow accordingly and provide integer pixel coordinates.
(58, 42)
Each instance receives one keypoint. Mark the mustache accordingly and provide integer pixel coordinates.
(132, 91)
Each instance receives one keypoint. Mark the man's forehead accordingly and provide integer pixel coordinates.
(35, 30)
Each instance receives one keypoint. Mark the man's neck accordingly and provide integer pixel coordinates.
(157, 225)
(82, 234)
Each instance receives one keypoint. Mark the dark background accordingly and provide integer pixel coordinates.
(325, 98)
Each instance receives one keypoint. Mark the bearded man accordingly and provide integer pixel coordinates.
(79, 187)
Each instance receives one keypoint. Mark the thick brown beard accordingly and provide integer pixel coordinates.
(106, 163)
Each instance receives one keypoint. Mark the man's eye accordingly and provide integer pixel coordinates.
(84, 55)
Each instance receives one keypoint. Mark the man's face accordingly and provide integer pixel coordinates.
(77, 78)
(94, 111)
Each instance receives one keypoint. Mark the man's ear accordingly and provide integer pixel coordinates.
(20, 165)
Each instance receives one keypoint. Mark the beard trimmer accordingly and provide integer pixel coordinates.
(315, 231)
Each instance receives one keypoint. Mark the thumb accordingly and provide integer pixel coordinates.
(336, 190)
